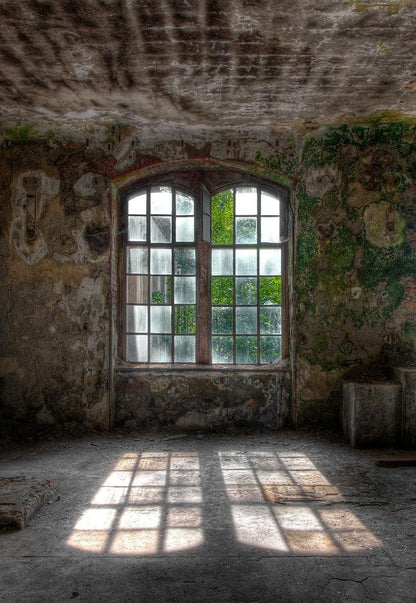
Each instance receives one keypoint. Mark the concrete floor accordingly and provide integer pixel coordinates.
(276, 517)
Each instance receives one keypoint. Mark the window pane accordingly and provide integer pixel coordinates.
(137, 292)
(184, 205)
(245, 320)
(246, 350)
(137, 228)
(222, 261)
(270, 349)
(222, 350)
(222, 218)
(270, 290)
(136, 319)
(246, 261)
(185, 290)
(270, 261)
(161, 348)
(161, 261)
(161, 289)
(161, 200)
(270, 205)
(185, 319)
(271, 320)
(137, 204)
(184, 348)
(137, 348)
(245, 291)
(270, 230)
(161, 230)
(185, 231)
(137, 260)
(246, 231)
(160, 319)
(246, 201)
(184, 259)
(222, 291)
(222, 320)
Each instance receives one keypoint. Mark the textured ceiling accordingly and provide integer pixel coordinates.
(224, 63)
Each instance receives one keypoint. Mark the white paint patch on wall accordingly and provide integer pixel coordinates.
(32, 189)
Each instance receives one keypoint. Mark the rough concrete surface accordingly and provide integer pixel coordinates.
(250, 518)
(206, 62)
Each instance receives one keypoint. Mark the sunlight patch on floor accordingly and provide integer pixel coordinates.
(147, 505)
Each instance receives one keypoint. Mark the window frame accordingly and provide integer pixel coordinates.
(203, 252)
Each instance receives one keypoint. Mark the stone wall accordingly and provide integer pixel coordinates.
(352, 286)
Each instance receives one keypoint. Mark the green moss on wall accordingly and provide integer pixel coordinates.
(386, 265)
(354, 240)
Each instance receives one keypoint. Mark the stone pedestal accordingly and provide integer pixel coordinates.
(407, 379)
(371, 413)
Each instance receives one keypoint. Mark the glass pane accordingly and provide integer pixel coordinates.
(160, 348)
(270, 230)
(245, 320)
(246, 201)
(222, 291)
(160, 319)
(136, 348)
(137, 260)
(246, 291)
(184, 205)
(222, 320)
(222, 350)
(137, 228)
(222, 218)
(185, 319)
(137, 204)
(270, 349)
(246, 350)
(161, 261)
(136, 319)
(161, 230)
(184, 348)
(161, 289)
(270, 261)
(270, 290)
(161, 200)
(185, 290)
(137, 292)
(222, 261)
(246, 261)
(270, 205)
(185, 231)
(184, 261)
(246, 230)
(206, 227)
(271, 320)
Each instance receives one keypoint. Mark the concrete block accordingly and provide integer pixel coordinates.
(371, 413)
(407, 378)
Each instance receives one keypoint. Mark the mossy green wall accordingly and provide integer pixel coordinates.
(354, 202)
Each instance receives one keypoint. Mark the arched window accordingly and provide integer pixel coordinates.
(204, 275)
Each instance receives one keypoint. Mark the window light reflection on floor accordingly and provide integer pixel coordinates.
(278, 502)
(150, 503)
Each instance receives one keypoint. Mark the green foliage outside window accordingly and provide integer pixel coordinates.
(222, 293)
(222, 218)
(270, 290)
(185, 319)
(160, 296)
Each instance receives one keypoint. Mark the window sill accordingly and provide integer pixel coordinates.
(124, 366)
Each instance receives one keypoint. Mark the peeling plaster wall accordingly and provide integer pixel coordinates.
(353, 192)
